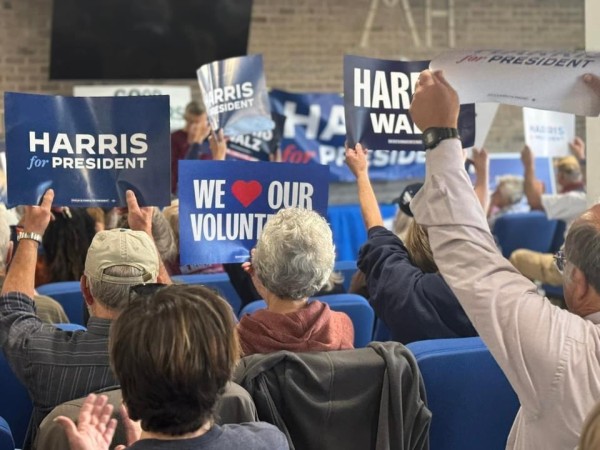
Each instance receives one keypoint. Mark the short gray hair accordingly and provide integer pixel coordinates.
(582, 249)
(511, 187)
(295, 254)
(114, 296)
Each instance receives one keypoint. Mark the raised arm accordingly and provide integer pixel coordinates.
(356, 159)
(140, 219)
(518, 325)
(21, 276)
(482, 177)
(532, 186)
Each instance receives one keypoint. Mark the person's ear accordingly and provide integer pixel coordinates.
(84, 284)
(580, 286)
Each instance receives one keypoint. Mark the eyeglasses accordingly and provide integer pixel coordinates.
(144, 290)
(560, 260)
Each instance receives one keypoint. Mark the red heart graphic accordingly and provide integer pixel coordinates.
(246, 191)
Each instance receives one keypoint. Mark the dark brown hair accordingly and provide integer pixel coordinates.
(173, 353)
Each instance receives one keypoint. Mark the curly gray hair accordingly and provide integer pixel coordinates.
(294, 255)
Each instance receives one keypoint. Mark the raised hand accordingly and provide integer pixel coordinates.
(95, 428)
(435, 102)
(356, 159)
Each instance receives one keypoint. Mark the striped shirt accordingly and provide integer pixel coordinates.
(55, 366)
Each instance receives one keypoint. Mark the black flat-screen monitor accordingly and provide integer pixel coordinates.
(145, 39)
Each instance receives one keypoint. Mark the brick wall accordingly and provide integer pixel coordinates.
(303, 41)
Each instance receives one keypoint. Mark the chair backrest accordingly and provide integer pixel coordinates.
(6, 439)
(68, 294)
(347, 269)
(356, 306)
(70, 327)
(15, 405)
(473, 404)
(559, 236)
(217, 281)
(367, 398)
(531, 230)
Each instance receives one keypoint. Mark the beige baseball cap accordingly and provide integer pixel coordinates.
(122, 247)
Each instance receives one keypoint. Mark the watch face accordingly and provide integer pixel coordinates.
(429, 137)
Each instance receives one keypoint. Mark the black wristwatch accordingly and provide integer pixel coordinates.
(433, 136)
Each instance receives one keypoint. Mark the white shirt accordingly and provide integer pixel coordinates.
(550, 356)
(568, 206)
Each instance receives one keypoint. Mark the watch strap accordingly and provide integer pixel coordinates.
(434, 135)
(30, 235)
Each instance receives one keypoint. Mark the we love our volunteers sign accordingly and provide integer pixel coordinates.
(224, 205)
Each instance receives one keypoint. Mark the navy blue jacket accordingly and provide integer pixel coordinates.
(414, 305)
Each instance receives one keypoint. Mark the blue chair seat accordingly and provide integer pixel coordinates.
(472, 402)
(15, 404)
(217, 281)
(6, 439)
(356, 306)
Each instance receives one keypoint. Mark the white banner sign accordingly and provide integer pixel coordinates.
(548, 133)
(179, 96)
(550, 80)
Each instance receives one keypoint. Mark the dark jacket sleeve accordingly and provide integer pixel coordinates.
(414, 305)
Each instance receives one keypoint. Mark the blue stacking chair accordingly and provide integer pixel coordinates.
(70, 327)
(473, 404)
(217, 281)
(356, 306)
(15, 405)
(6, 439)
(531, 230)
(68, 294)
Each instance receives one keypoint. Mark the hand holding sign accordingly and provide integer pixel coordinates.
(218, 145)
(527, 157)
(139, 219)
(593, 81)
(577, 148)
(356, 159)
(435, 102)
(37, 218)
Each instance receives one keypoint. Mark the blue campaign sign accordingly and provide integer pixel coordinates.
(235, 94)
(223, 205)
(258, 146)
(89, 150)
(510, 164)
(315, 132)
(377, 96)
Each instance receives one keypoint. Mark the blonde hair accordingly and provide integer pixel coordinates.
(419, 250)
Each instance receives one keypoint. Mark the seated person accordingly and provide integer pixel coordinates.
(566, 205)
(174, 353)
(191, 139)
(47, 309)
(506, 198)
(550, 356)
(56, 366)
(293, 259)
(171, 214)
(64, 246)
(406, 289)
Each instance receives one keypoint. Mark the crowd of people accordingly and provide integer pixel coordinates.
(170, 350)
